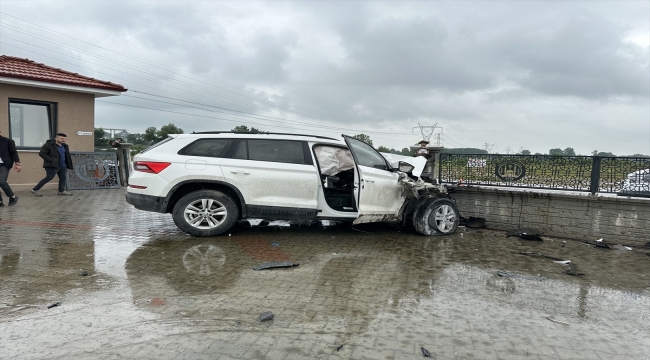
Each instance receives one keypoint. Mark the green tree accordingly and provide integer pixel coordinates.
(525, 152)
(383, 149)
(569, 152)
(168, 129)
(100, 138)
(245, 129)
(363, 137)
(556, 152)
(407, 152)
(136, 139)
(152, 135)
(137, 148)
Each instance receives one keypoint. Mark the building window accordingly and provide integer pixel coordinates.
(31, 123)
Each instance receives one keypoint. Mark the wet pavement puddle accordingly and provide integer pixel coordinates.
(376, 292)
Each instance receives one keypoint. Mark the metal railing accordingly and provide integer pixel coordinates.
(622, 175)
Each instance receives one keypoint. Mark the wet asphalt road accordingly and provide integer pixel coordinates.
(376, 291)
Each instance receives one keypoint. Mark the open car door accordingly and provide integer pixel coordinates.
(378, 193)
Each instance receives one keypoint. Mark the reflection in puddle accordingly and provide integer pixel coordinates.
(204, 259)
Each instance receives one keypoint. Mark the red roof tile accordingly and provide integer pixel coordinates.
(20, 68)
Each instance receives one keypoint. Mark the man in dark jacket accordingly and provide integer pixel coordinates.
(56, 161)
(8, 159)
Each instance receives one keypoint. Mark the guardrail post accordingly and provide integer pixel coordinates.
(595, 175)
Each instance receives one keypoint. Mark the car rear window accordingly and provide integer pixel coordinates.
(206, 147)
(285, 151)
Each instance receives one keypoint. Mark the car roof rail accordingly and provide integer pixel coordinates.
(261, 133)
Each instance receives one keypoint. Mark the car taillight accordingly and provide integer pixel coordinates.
(150, 166)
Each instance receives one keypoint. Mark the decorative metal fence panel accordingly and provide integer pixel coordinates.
(622, 175)
(94, 170)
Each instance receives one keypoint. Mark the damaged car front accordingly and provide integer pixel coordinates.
(390, 188)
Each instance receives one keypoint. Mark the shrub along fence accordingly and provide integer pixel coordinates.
(629, 176)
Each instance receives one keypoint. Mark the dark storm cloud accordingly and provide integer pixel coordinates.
(409, 53)
(585, 57)
(489, 71)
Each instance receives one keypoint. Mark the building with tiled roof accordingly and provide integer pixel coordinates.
(24, 71)
(38, 101)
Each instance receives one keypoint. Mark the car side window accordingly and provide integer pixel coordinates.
(285, 151)
(366, 155)
(242, 151)
(205, 147)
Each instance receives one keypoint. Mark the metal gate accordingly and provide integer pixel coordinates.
(94, 170)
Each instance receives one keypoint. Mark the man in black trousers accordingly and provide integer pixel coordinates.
(56, 161)
(8, 159)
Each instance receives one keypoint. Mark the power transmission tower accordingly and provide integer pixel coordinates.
(426, 131)
(508, 150)
(438, 138)
(488, 147)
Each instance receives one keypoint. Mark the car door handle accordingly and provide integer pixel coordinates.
(368, 180)
(241, 172)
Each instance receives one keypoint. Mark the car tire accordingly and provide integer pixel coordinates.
(205, 213)
(436, 217)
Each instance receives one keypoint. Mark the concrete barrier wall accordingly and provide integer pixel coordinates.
(621, 220)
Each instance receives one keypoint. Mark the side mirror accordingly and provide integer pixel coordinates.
(405, 167)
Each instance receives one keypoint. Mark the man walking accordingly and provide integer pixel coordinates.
(56, 161)
(8, 158)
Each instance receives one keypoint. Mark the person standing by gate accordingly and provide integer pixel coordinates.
(56, 161)
(8, 158)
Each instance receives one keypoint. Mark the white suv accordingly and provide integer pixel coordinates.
(210, 180)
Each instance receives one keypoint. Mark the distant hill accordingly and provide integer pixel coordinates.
(463, 151)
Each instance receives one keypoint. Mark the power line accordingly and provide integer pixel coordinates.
(222, 119)
(133, 58)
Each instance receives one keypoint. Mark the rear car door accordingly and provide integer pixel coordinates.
(379, 193)
(277, 178)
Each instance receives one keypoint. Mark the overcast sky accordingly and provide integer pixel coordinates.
(529, 75)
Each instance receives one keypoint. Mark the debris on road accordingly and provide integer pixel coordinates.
(276, 264)
(275, 244)
(622, 247)
(266, 316)
(601, 245)
(515, 275)
(84, 273)
(472, 222)
(556, 321)
(526, 234)
(572, 270)
(365, 232)
(530, 253)
(425, 352)
(54, 305)
(338, 348)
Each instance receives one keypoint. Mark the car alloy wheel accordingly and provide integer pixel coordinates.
(205, 213)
